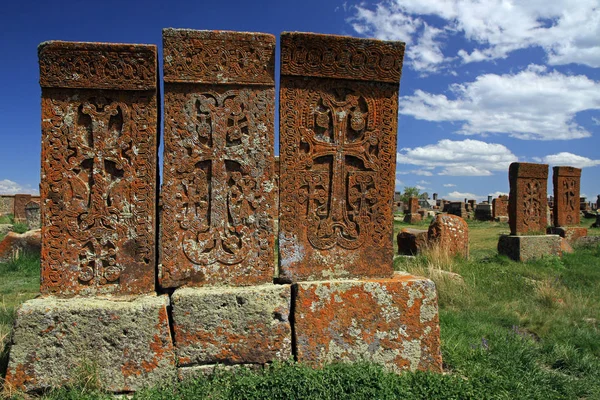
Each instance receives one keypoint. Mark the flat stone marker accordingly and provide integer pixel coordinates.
(99, 152)
(338, 123)
(218, 193)
(20, 202)
(528, 200)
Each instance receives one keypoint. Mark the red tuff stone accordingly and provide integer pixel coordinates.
(218, 196)
(411, 241)
(338, 125)
(528, 200)
(567, 184)
(20, 202)
(391, 321)
(413, 218)
(570, 234)
(99, 152)
(451, 233)
(413, 205)
(500, 207)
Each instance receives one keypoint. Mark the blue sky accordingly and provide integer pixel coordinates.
(485, 83)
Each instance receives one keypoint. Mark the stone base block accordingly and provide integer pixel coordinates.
(55, 341)
(393, 322)
(526, 248)
(413, 218)
(411, 241)
(186, 373)
(571, 234)
(501, 219)
(232, 325)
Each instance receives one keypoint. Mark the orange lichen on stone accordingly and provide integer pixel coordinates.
(393, 322)
(528, 201)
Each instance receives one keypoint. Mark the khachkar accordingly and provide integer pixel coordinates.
(527, 214)
(338, 121)
(218, 200)
(567, 184)
(98, 199)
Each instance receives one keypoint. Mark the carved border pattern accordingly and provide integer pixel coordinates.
(97, 66)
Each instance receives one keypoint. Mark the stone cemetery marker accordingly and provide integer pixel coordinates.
(500, 206)
(32, 215)
(99, 152)
(528, 200)
(7, 204)
(566, 181)
(218, 192)
(338, 122)
(21, 201)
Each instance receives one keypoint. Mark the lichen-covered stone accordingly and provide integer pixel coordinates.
(127, 342)
(393, 322)
(451, 233)
(528, 200)
(571, 233)
(14, 244)
(411, 241)
(196, 371)
(232, 325)
(526, 248)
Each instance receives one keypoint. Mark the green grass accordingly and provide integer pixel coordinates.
(509, 331)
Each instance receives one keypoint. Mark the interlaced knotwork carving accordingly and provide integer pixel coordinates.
(218, 194)
(527, 204)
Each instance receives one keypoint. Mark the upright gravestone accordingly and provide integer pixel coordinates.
(217, 225)
(500, 208)
(566, 215)
(527, 206)
(98, 191)
(32, 215)
(21, 201)
(7, 204)
(338, 122)
(412, 215)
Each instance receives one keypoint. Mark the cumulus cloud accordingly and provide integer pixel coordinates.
(460, 158)
(461, 196)
(532, 104)
(449, 185)
(566, 31)
(570, 159)
(497, 194)
(423, 182)
(9, 187)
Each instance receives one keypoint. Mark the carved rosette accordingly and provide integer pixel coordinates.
(337, 154)
(218, 192)
(98, 176)
(567, 186)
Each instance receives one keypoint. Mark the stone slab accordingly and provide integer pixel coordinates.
(218, 195)
(7, 204)
(128, 342)
(567, 186)
(20, 202)
(393, 322)
(99, 172)
(411, 241)
(338, 129)
(451, 233)
(526, 248)
(232, 325)
(413, 218)
(197, 371)
(528, 200)
(571, 234)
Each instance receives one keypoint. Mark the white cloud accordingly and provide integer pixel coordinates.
(420, 187)
(422, 172)
(9, 187)
(399, 185)
(596, 121)
(460, 158)
(571, 160)
(449, 185)
(422, 182)
(566, 31)
(461, 196)
(532, 104)
(497, 194)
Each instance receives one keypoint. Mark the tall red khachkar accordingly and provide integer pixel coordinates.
(338, 122)
(218, 195)
(98, 189)
(99, 154)
(528, 200)
(566, 214)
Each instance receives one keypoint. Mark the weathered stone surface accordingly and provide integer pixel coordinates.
(571, 234)
(20, 202)
(500, 207)
(413, 205)
(528, 200)
(5, 228)
(99, 154)
(411, 241)
(128, 342)
(218, 193)
(413, 218)
(456, 208)
(32, 215)
(338, 125)
(232, 325)
(15, 244)
(7, 204)
(567, 184)
(393, 322)
(483, 212)
(197, 371)
(451, 233)
(526, 248)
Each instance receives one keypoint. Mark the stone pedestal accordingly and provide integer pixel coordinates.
(232, 325)
(526, 248)
(571, 233)
(127, 343)
(393, 322)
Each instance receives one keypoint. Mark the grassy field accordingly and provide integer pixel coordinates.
(509, 331)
